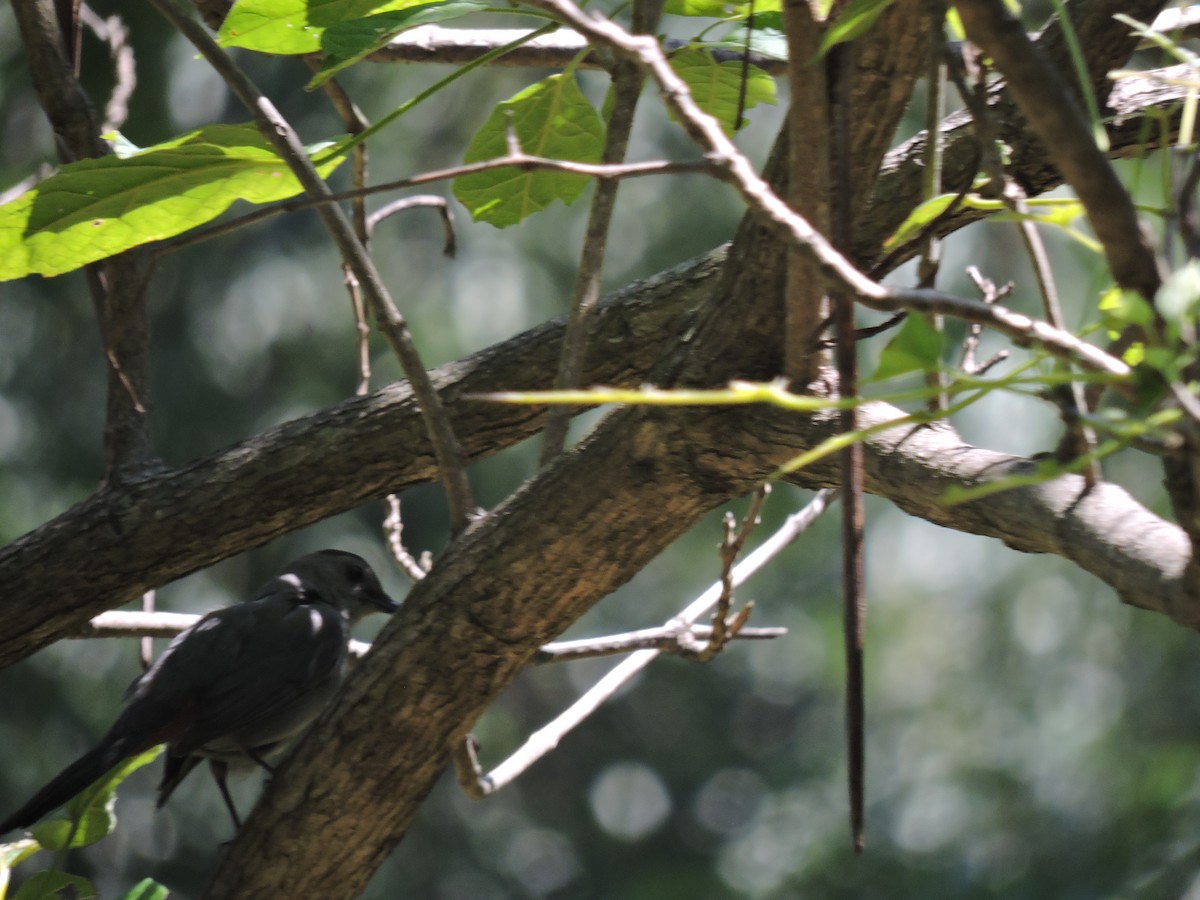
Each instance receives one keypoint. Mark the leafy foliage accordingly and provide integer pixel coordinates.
(89, 818)
(550, 119)
(95, 208)
(348, 42)
(716, 86)
(289, 27)
(917, 347)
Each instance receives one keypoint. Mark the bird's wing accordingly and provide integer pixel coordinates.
(248, 675)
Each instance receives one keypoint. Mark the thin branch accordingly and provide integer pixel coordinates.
(557, 50)
(850, 462)
(541, 742)
(724, 626)
(521, 160)
(989, 293)
(393, 529)
(1080, 438)
(428, 201)
(112, 31)
(665, 638)
(355, 122)
(283, 138)
(626, 89)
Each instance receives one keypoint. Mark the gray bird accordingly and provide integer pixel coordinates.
(237, 685)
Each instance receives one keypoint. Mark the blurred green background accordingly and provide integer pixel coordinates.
(1028, 736)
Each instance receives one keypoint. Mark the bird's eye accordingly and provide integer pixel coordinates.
(355, 574)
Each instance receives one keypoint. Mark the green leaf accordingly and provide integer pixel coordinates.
(348, 42)
(716, 86)
(917, 347)
(16, 852)
(96, 208)
(919, 218)
(146, 889)
(288, 27)
(852, 23)
(1120, 309)
(54, 885)
(11, 854)
(90, 815)
(551, 119)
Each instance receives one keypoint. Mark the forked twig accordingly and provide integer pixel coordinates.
(470, 774)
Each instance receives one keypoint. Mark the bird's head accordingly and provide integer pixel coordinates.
(342, 579)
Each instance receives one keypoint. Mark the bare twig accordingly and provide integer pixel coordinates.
(665, 638)
(356, 123)
(1079, 439)
(393, 529)
(112, 31)
(989, 293)
(541, 742)
(283, 138)
(432, 201)
(724, 626)
(148, 625)
(627, 87)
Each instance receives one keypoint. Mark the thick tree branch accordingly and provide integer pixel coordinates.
(177, 521)
(551, 551)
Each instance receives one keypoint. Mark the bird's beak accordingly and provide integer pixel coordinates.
(384, 603)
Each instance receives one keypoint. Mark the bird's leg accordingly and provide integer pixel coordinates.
(257, 757)
(219, 771)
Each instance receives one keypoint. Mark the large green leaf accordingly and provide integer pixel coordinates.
(716, 86)
(348, 42)
(95, 208)
(289, 27)
(551, 119)
(11, 854)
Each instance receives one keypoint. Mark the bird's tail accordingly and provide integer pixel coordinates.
(90, 767)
